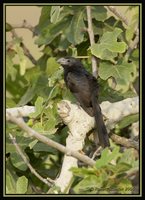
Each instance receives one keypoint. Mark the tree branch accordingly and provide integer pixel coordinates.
(25, 25)
(124, 141)
(83, 123)
(133, 43)
(92, 41)
(13, 139)
(25, 49)
(118, 14)
(32, 133)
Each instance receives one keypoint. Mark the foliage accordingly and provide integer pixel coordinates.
(61, 31)
(109, 175)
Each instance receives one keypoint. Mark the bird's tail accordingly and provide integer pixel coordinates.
(100, 126)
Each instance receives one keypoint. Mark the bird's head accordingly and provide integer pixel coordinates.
(69, 62)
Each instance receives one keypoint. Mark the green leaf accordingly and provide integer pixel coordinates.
(10, 183)
(38, 107)
(127, 121)
(108, 47)
(55, 77)
(63, 43)
(129, 158)
(129, 33)
(125, 186)
(23, 61)
(82, 172)
(107, 156)
(8, 27)
(44, 19)
(28, 95)
(52, 66)
(10, 69)
(21, 140)
(18, 161)
(99, 13)
(122, 168)
(54, 14)
(10, 103)
(44, 148)
(124, 74)
(38, 127)
(75, 31)
(21, 185)
(89, 185)
(50, 32)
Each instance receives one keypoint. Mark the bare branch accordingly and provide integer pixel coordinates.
(13, 139)
(118, 14)
(49, 142)
(133, 43)
(25, 25)
(25, 49)
(92, 41)
(124, 141)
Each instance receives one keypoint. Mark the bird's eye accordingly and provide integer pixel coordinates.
(68, 60)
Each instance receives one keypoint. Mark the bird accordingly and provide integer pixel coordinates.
(85, 88)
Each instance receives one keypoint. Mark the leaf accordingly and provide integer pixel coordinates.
(55, 77)
(127, 121)
(50, 32)
(63, 43)
(52, 66)
(123, 73)
(125, 186)
(54, 14)
(22, 58)
(10, 69)
(108, 47)
(38, 107)
(107, 157)
(21, 140)
(89, 185)
(44, 148)
(129, 33)
(8, 27)
(18, 162)
(38, 127)
(10, 103)
(82, 172)
(21, 185)
(99, 13)
(10, 183)
(28, 95)
(75, 31)
(128, 157)
(44, 19)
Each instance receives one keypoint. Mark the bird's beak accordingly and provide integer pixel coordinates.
(62, 61)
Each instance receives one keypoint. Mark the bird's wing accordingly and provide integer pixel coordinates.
(79, 86)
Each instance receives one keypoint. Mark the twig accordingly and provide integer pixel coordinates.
(132, 46)
(118, 14)
(49, 142)
(133, 43)
(124, 141)
(13, 139)
(25, 49)
(25, 25)
(92, 41)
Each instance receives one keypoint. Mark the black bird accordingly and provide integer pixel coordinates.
(84, 87)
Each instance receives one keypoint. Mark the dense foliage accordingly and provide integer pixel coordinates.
(61, 31)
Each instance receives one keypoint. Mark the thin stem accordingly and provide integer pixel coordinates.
(92, 41)
(32, 133)
(13, 139)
